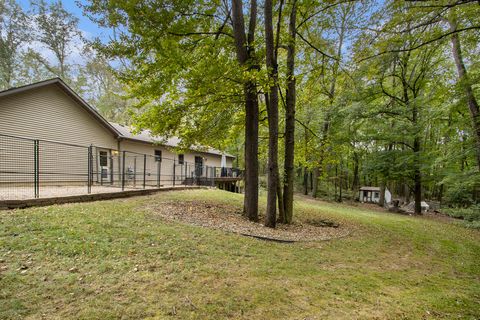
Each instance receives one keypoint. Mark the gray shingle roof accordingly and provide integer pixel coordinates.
(369, 189)
(118, 130)
(145, 136)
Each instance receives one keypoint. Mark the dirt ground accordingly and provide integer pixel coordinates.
(228, 218)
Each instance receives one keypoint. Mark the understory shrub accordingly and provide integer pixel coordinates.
(470, 215)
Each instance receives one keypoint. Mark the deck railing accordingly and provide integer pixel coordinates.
(33, 168)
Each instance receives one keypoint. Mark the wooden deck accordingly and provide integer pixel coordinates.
(231, 184)
(227, 179)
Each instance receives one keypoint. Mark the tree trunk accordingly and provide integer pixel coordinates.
(417, 177)
(281, 208)
(407, 192)
(315, 182)
(290, 119)
(467, 87)
(340, 177)
(272, 111)
(245, 56)
(356, 179)
(305, 181)
(381, 200)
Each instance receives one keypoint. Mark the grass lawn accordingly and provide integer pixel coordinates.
(115, 259)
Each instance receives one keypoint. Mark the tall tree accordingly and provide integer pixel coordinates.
(57, 30)
(290, 116)
(245, 48)
(272, 111)
(103, 90)
(14, 32)
(189, 67)
(466, 84)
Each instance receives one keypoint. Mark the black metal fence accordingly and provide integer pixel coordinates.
(33, 168)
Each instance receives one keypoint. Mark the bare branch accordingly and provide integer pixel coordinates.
(421, 44)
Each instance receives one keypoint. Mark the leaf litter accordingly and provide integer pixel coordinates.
(229, 218)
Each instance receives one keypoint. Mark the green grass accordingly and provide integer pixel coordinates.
(127, 263)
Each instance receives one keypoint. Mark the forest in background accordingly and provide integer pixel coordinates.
(45, 41)
(330, 95)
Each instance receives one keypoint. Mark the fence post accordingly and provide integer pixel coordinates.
(111, 168)
(89, 169)
(135, 171)
(123, 170)
(159, 173)
(144, 169)
(213, 176)
(206, 175)
(174, 171)
(36, 175)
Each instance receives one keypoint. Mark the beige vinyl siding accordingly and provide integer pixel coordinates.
(134, 162)
(49, 113)
(16, 160)
(168, 158)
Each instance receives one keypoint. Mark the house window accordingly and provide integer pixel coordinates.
(180, 159)
(103, 155)
(158, 155)
(377, 194)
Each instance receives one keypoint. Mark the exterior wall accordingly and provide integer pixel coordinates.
(371, 196)
(169, 166)
(160, 173)
(48, 113)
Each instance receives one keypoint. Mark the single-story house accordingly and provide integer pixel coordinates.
(372, 194)
(65, 124)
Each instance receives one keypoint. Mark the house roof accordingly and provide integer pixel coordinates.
(118, 130)
(69, 91)
(369, 189)
(146, 136)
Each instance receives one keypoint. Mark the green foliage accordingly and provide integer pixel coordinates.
(180, 67)
(14, 34)
(373, 122)
(470, 214)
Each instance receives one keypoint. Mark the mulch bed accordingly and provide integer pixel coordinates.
(229, 218)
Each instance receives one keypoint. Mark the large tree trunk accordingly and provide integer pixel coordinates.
(245, 56)
(467, 87)
(290, 118)
(272, 111)
(417, 176)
